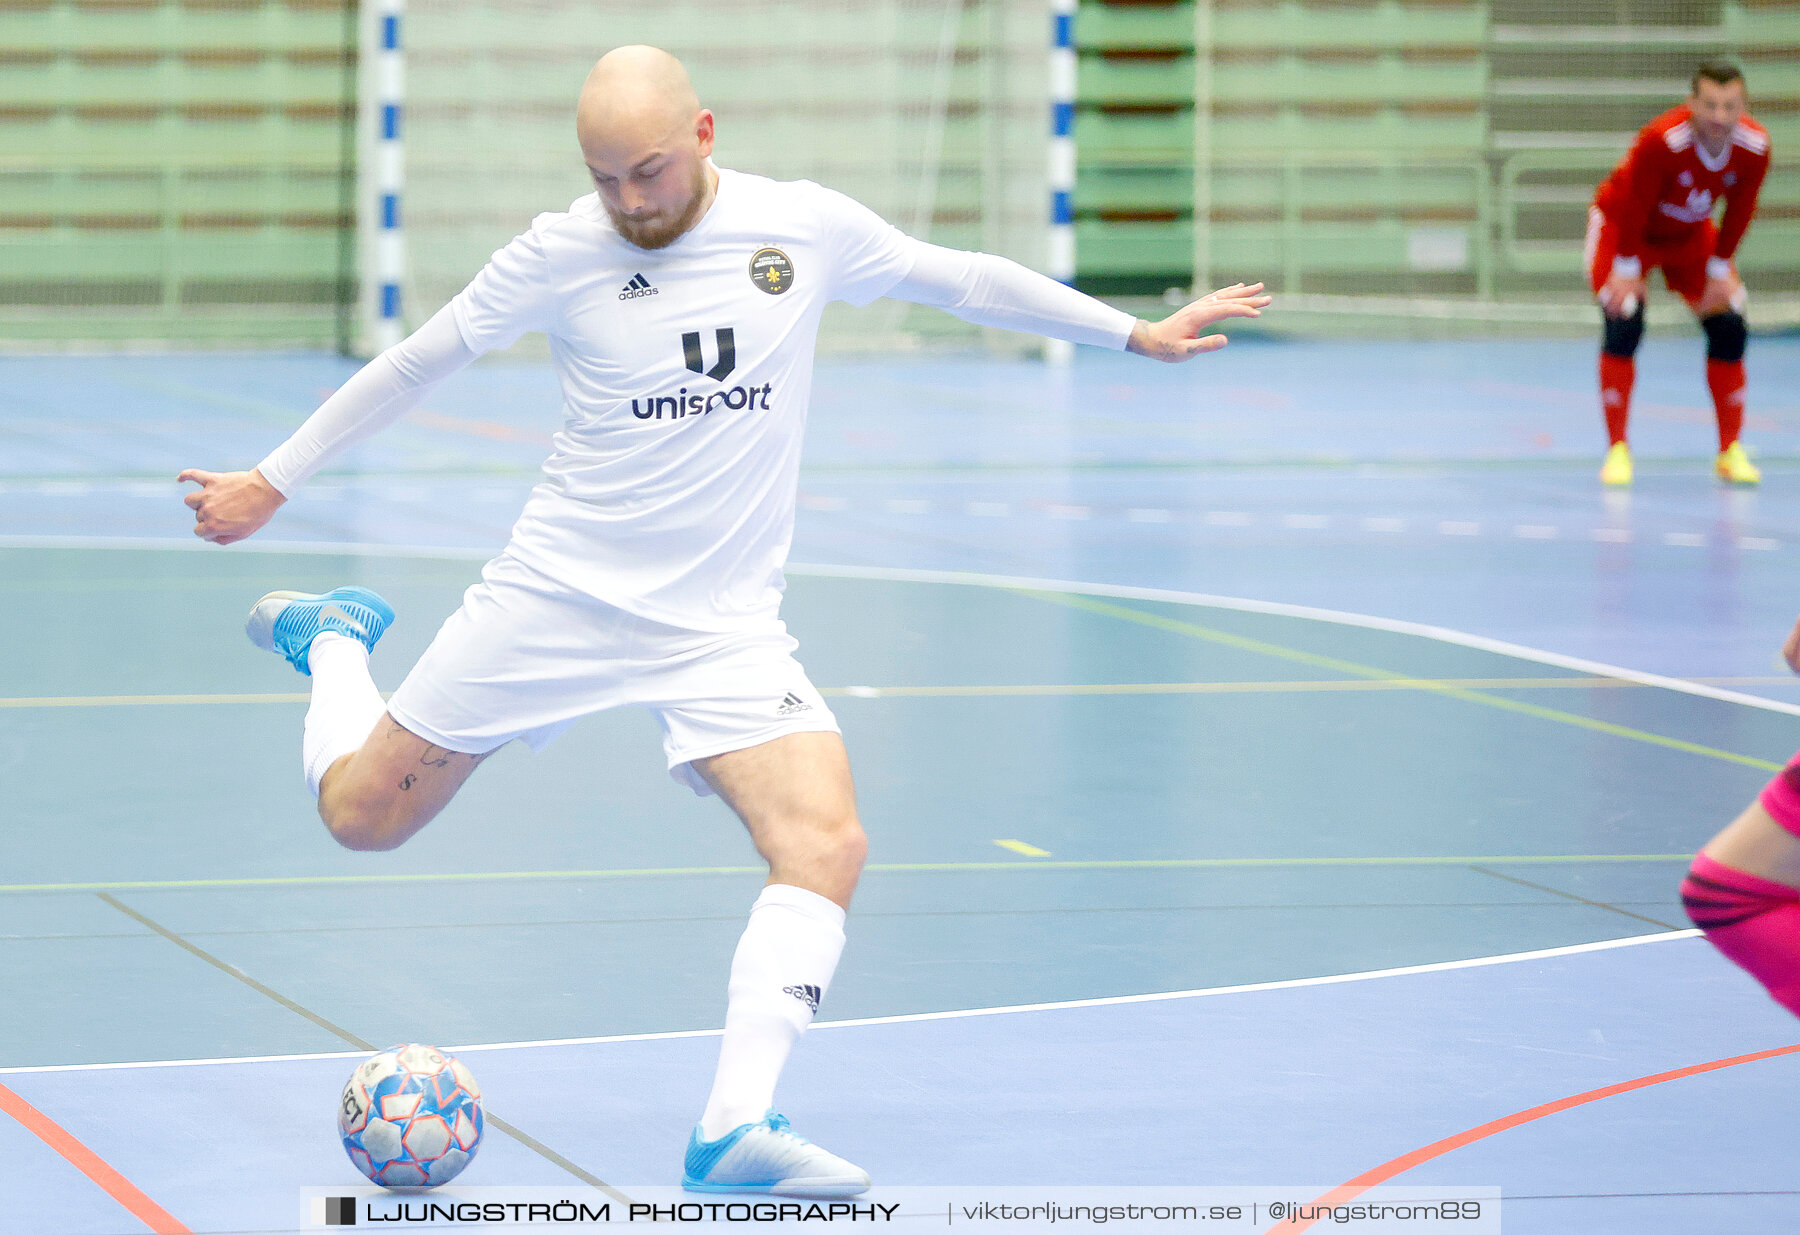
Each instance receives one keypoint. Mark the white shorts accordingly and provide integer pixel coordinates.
(525, 657)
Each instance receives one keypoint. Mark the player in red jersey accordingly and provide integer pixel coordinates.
(1656, 209)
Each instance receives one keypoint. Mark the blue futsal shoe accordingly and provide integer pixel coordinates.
(287, 622)
(766, 1157)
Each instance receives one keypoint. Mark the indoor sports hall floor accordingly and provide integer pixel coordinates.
(1303, 661)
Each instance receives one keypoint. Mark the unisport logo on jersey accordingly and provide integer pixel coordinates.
(684, 403)
(726, 346)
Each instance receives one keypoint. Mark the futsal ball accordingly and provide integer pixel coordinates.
(411, 1117)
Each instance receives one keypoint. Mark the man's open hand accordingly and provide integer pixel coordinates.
(1177, 337)
(1720, 295)
(229, 506)
(1620, 296)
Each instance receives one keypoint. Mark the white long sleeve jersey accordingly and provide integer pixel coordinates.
(686, 374)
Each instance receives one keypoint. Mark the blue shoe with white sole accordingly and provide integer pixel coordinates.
(766, 1157)
(287, 622)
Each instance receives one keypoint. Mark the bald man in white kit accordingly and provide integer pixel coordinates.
(682, 303)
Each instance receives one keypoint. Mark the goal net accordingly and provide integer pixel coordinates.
(931, 112)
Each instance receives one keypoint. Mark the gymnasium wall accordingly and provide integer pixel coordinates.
(1427, 148)
(183, 170)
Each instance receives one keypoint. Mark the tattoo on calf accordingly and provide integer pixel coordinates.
(438, 757)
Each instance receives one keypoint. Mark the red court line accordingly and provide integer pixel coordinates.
(1346, 1192)
(489, 429)
(90, 1164)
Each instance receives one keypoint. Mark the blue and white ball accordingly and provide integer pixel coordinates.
(411, 1117)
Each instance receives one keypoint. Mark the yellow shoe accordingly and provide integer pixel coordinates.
(1617, 468)
(1734, 466)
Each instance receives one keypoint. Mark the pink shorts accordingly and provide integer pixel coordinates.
(1781, 797)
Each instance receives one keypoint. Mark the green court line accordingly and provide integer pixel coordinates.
(338, 1031)
(1577, 898)
(1027, 689)
(1283, 652)
(1098, 864)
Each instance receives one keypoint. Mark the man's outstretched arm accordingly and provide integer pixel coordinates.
(992, 291)
(228, 506)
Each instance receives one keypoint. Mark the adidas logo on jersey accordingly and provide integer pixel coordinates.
(639, 286)
(1699, 206)
(807, 994)
(793, 705)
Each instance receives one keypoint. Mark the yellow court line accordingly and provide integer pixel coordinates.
(274, 881)
(1028, 689)
(1283, 652)
(1233, 688)
(123, 701)
(1019, 846)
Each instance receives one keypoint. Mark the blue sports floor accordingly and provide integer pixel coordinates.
(1302, 661)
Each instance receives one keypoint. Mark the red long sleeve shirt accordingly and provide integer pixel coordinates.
(1668, 185)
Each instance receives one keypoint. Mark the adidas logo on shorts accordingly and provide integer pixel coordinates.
(808, 994)
(639, 286)
(793, 705)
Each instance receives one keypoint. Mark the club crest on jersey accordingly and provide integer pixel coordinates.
(771, 270)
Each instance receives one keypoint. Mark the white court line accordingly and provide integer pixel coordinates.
(1478, 962)
(1272, 608)
(1337, 617)
(807, 501)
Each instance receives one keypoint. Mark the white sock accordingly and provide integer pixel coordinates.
(788, 952)
(345, 703)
